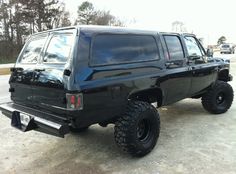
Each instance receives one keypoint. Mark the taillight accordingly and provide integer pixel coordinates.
(74, 101)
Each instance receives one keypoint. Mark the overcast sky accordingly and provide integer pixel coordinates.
(208, 19)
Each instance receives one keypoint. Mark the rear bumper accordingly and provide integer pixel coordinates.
(40, 121)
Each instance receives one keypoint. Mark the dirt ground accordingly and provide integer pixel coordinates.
(191, 141)
(4, 71)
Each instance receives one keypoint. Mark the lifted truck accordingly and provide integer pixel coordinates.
(70, 78)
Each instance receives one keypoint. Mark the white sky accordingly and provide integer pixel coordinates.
(207, 18)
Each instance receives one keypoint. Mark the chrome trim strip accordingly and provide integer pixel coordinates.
(37, 119)
(47, 122)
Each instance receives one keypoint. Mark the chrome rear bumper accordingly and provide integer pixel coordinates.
(39, 121)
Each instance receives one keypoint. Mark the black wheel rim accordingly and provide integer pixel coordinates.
(220, 98)
(143, 130)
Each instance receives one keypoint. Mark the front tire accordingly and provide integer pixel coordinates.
(138, 130)
(219, 98)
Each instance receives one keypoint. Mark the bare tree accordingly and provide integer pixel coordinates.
(221, 40)
(87, 14)
(19, 18)
(64, 19)
(178, 26)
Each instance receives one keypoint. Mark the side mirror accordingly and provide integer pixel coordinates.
(209, 52)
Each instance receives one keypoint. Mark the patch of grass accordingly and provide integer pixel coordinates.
(5, 71)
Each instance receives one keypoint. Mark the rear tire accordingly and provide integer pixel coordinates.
(219, 98)
(138, 130)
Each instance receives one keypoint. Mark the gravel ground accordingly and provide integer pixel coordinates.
(191, 141)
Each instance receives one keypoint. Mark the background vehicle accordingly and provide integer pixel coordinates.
(227, 48)
(68, 79)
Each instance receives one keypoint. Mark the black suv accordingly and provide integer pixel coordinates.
(70, 78)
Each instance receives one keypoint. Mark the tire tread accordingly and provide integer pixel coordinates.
(125, 124)
(207, 98)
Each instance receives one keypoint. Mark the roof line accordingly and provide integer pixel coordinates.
(106, 27)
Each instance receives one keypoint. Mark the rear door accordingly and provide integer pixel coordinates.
(23, 72)
(178, 76)
(49, 86)
(203, 73)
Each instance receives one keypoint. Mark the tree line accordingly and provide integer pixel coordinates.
(20, 18)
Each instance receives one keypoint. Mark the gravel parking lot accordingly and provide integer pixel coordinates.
(191, 141)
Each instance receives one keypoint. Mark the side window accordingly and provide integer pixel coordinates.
(59, 49)
(174, 47)
(193, 47)
(108, 49)
(33, 49)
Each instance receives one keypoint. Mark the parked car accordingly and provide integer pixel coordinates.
(227, 48)
(70, 78)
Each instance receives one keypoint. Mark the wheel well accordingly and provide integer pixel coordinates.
(148, 95)
(223, 75)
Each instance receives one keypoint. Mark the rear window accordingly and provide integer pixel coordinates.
(33, 49)
(174, 47)
(59, 48)
(110, 49)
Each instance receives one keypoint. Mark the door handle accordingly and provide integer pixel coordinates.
(193, 68)
(169, 63)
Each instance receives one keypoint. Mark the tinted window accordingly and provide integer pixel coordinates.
(32, 51)
(174, 47)
(193, 47)
(59, 48)
(113, 49)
